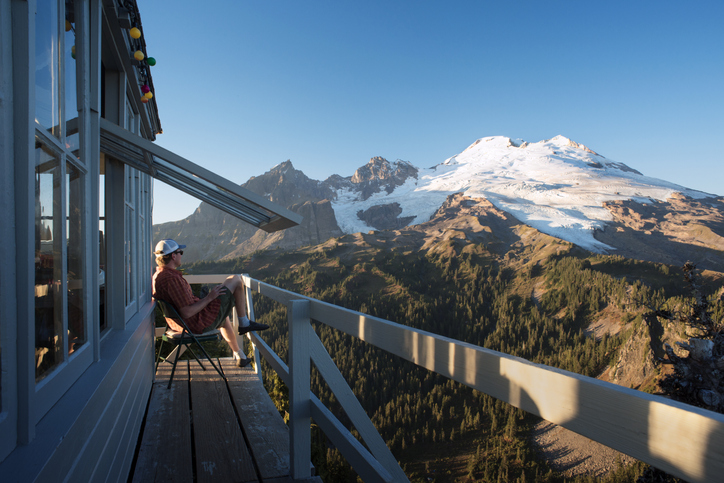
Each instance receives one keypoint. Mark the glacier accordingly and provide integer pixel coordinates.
(556, 186)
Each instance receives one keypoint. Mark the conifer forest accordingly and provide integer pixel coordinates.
(541, 310)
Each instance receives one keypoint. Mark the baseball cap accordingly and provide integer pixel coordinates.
(164, 247)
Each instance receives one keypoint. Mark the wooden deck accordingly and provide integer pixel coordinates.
(204, 430)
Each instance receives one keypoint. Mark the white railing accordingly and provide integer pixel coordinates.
(682, 440)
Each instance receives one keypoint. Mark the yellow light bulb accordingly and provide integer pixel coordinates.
(138, 55)
(135, 33)
(148, 95)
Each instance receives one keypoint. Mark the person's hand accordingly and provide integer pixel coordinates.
(216, 291)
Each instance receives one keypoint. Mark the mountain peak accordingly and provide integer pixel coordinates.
(563, 141)
(379, 174)
(557, 186)
(282, 168)
(377, 168)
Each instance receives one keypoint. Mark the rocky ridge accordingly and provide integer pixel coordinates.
(671, 231)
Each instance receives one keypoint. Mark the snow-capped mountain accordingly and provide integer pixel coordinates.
(559, 187)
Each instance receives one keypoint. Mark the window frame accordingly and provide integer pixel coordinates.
(34, 398)
(8, 257)
(48, 390)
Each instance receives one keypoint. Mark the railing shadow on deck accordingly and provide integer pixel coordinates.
(682, 440)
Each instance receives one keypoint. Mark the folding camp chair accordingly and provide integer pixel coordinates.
(185, 338)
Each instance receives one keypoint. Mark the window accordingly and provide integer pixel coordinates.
(55, 100)
(130, 241)
(102, 235)
(60, 318)
(47, 66)
(137, 248)
(61, 322)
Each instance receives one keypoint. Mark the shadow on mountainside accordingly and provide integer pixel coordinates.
(673, 232)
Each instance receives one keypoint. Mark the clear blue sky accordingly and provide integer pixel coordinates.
(244, 85)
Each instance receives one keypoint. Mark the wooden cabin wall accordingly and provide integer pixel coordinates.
(92, 432)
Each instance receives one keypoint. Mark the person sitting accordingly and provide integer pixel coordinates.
(201, 314)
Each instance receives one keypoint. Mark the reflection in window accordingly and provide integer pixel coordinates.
(60, 315)
(129, 231)
(75, 194)
(70, 107)
(48, 262)
(102, 242)
(47, 66)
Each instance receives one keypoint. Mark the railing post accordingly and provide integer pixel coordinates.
(250, 313)
(300, 437)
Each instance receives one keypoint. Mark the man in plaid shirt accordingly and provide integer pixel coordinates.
(201, 315)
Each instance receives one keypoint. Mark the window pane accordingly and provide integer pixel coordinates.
(142, 253)
(75, 192)
(130, 223)
(48, 262)
(102, 242)
(47, 66)
(70, 107)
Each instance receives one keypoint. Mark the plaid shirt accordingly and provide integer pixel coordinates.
(170, 285)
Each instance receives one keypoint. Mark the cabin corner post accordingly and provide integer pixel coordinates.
(300, 453)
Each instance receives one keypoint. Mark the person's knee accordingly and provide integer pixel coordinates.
(233, 282)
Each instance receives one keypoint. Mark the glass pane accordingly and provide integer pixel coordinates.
(75, 192)
(127, 253)
(102, 242)
(130, 118)
(48, 262)
(142, 274)
(70, 107)
(131, 190)
(47, 66)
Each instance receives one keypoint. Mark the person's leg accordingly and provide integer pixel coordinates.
(227, 332)
(223, 323)
(236, 285)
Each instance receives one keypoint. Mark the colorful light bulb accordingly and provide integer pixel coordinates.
(138, 55)
(151, 61)
(135, 33)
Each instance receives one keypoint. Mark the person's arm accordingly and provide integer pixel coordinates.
(196, 307)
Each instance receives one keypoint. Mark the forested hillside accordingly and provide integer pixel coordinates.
(542, 309)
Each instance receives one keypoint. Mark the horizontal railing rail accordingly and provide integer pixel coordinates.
(683, 440)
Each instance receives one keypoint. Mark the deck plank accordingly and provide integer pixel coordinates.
(165, 451)
(221, 452)
(265, 429)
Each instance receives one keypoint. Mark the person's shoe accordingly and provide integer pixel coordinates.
(252, 327)
(243, 362)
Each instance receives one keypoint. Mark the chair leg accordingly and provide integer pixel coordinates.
(188, 347)
(173, 370)
(158, 356)
(210, 360)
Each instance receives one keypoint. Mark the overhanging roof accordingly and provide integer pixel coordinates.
(191, 178)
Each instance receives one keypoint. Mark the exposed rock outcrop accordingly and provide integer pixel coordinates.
(385, 217)
(672, 231)
(379, 175)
